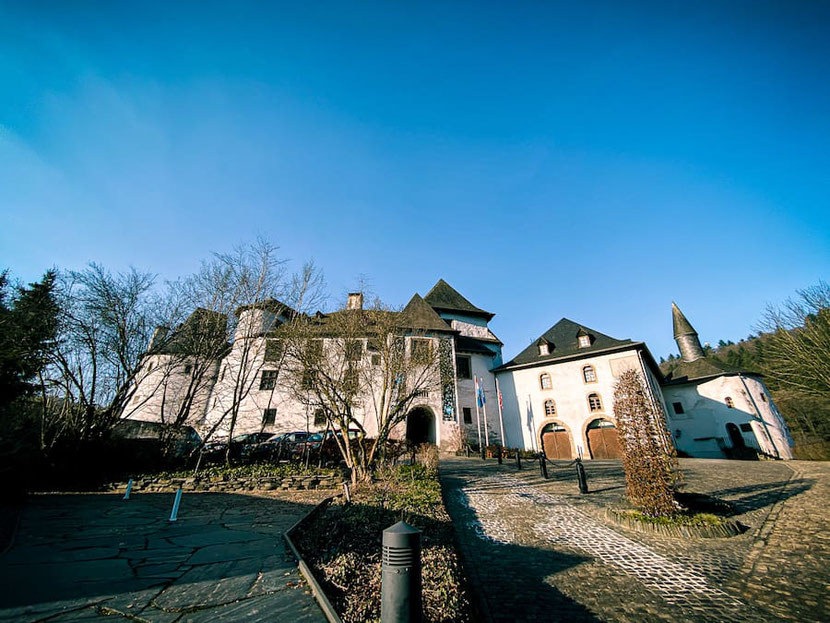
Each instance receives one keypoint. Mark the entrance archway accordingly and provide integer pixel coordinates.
(420, 426)
(603, 442)
(556, 441)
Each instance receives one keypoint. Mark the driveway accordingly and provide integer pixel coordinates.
(538, 550)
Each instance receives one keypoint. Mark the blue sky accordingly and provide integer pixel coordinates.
(588, 160)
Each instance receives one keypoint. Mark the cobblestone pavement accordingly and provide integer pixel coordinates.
(538, 550)
(85, 557)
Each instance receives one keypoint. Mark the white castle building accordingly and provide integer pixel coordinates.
(556, 394)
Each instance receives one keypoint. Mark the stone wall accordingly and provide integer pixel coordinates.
(226, 484)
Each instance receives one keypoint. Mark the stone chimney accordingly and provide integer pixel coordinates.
(355, 300)
(686, 336)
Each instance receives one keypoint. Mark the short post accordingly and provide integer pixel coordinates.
(498, 449)
(175, 513)
(543, 465)
(483, 452)
(129, 489)
(580, 476)
(401, 575)
(518, 459)
(467, 450)
(347, 493)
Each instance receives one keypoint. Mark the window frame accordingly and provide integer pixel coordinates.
(592, 397)
(545, 376)
(268, 379)
(678, 408)
(469, 364)
(585, 370)
(549, 412)
(269, 414)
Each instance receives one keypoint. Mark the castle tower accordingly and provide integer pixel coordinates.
(686, 336)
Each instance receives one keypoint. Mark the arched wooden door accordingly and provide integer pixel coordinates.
(603, 442)
(556, 442)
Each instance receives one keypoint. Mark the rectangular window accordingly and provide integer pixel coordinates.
(747, 428)
(269, 416)
(468, 415)
(464, 367)
(350, 381)
(375, 360)
(319, 418)
(354, 350)
(268, 380)
(188, 368)
(309, 379)
(584, 341)
(678, 408)
(273, 350)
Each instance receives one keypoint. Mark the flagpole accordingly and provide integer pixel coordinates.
(478, 416)
(501, 415)
(484, 408)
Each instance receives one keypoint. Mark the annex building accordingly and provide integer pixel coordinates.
(556, 395)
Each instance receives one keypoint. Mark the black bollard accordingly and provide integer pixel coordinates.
(483, 453)
(401, 576)
(580, 476)
(498, 449)
(518, 459)
(467, 450)
(543, 465)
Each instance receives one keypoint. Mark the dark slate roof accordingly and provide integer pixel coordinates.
(418, 315)
(699, 369)
(443, 297)
(563, 345)
(464, 344)
(681, 324)
(203, 332)
(278, 307)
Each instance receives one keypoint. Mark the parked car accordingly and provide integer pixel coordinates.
(276, 446)
(329, 447)
(215, 450)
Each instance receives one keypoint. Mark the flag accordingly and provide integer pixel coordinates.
(480, 392)
(498, 392)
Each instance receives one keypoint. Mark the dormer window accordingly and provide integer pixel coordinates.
(584, 340)
(544, 347)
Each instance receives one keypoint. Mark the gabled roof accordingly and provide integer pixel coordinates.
(700, 369)
(562, 338)
(418, 315)
(443, 297)
(278, 307)
(204, 332)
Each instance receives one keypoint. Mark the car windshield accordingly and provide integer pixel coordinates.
(315, 437)
(275, 438)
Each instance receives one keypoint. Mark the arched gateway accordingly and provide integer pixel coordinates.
(420, 425)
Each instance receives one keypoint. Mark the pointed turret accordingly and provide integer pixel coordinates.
(685, 336)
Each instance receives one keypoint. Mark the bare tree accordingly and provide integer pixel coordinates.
(649, 460)
(253, 290)
(362, 369)
(797, 349)
(105, 322)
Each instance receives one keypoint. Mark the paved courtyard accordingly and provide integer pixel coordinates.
(86, 557)
(538, 550)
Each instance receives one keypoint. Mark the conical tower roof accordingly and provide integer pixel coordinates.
(682, 326)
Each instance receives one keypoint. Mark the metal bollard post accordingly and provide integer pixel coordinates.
(129, 489)
(483, 453)
(467, 450)
(543, 465)
(580, 476)
(498, 449)
(174, 515)
(401, 575)
(518, 459)
(347, 493)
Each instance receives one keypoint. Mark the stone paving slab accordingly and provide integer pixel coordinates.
(518, 527)
(86, 557)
